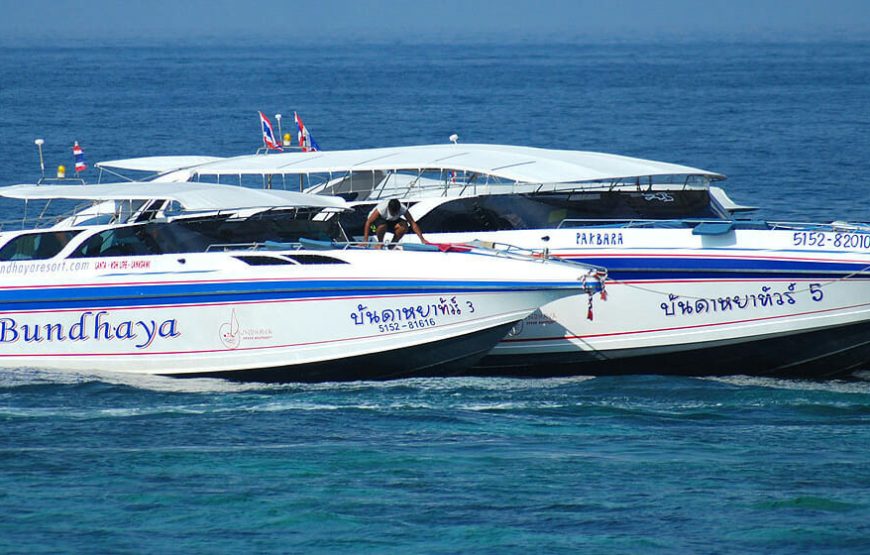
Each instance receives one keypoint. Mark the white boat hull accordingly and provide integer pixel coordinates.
(289, 322)
(705, 306)
(813, 338)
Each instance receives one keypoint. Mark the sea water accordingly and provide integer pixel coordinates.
(646, 464)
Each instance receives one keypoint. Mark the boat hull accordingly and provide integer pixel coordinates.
(705, 306)
(212, 315)
(426, 360)
(832, 352)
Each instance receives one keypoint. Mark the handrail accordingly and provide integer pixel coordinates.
(853, 227)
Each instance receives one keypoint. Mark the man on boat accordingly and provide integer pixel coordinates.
(394, 216)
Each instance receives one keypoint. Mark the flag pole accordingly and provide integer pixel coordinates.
(263, 136)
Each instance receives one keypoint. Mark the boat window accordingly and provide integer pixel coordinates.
(150, 210)
(198, 234)
(283, 226)
(141, 240)
(263, 260)
(259, 260)
(354, 185)
(479, 214)
(549, 210)
(316, 259)
(120, 241)
(36, 246)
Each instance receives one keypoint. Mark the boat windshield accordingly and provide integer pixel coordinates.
(200, 234)
(552, 210)
(544, 211)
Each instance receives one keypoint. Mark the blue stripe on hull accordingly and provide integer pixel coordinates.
(199, 293)
(659, 268)
(677, 274)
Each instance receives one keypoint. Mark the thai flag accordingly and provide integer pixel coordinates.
(306, 141)
(269, 134)
(79, 156)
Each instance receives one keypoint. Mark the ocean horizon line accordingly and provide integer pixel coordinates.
(341, 39)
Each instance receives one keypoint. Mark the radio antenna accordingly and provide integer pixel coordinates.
(39, 143)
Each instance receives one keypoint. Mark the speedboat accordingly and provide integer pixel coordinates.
(201, 280)
(696, 284)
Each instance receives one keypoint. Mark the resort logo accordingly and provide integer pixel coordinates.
(229, 332)
(90, 326)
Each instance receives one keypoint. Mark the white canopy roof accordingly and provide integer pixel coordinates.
(157, 164)
(513, 163)
(192, 196)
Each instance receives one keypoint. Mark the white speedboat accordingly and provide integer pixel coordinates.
(193, 280)
(696, 285)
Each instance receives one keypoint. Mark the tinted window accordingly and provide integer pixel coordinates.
(197, 235)
(548, 210)
(263, 260)
(36, 246)
(121, 241)
(316, 259)
(278, 225)
(254, 260)
(140, 240)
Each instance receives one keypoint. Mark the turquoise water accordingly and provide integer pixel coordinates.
(635, 464)
(597, 465)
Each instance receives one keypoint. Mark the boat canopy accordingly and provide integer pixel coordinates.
(158, 164)
(512, 163)
(190, 195)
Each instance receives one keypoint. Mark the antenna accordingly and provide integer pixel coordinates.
(39, 143)
(278, 117)
(454, 138)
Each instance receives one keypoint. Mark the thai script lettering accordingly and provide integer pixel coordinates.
(676, 306)
(599, 239)
(411, 316)
(91, 326)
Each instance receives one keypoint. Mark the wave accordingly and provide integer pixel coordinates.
(811, 503)
(43, 395)
(32, 377)
(831, 386)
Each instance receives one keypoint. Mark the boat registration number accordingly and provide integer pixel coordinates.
(410, 325)
(822, 239)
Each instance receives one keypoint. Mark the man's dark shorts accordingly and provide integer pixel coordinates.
(391, 224)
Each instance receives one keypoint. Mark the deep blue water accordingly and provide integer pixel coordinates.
(598, 465)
